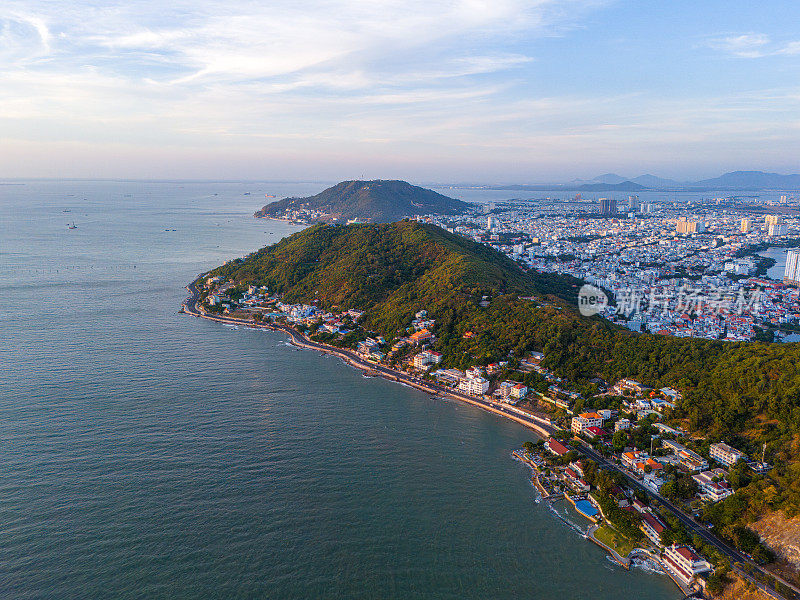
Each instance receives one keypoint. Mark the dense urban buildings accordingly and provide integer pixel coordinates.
(695, 269)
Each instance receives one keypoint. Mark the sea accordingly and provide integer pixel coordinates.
(149, 454)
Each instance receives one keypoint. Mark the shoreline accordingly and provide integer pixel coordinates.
(542, 428)
(625, 562)
(300, 340)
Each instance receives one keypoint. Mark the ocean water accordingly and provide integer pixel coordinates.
(148, 454)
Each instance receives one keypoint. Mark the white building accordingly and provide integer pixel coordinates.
(622, 424)
(582, 422)
(711, 490)
(449, 376)
(652, 482)
(426, 358)
(684, 563)
(777, 229)
(475, 386)
(725, 455)
(791, 274)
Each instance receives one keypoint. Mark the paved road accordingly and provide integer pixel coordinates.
(542, 426)
(733, 555)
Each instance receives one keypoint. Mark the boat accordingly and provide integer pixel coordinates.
(72, 225)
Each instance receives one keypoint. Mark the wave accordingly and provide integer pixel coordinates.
(565, 519)
(646, 564)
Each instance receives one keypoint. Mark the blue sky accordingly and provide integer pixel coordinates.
(491, 91)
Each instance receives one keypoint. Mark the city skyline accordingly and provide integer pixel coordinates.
(503, 91)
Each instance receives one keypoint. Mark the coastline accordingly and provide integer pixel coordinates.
(300, 340)
(626, 562)
(540, 426)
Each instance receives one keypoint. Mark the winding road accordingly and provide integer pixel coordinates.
(543, 427)
(540, 425)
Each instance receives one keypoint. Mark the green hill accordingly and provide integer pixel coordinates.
(378, 201)
(391, 270)
(488, 308)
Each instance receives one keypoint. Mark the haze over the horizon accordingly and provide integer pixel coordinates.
(478, 90)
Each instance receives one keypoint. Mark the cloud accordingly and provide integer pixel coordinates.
(748, 45)
(411, 80)
(369, 50)
(753, 45)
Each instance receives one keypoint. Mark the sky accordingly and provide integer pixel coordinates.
(425, 90)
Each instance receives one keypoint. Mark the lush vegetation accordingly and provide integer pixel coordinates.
(488, 308)
(377, 201)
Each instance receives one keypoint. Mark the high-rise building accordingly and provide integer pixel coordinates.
(491, 222)
(791, 274)
(772, 219)
(684, 226)
(608, 206)
(633, 203)
(777, 229)
(746, 225)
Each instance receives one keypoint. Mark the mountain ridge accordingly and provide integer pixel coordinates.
(731, 181)
(377, 201)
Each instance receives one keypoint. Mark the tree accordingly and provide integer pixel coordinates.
(682, 487)
(589, 471)
(716, 583)
(620, 440)
(739, 475)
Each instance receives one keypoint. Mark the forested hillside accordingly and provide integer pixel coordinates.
(378, 201)
(747, 392)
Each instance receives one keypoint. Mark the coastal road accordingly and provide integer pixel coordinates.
(540, 425)
(733, 555)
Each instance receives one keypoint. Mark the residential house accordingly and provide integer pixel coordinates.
(653, 482)
(556, 447)
(583, 421)
(421, 337)
(577, 482)
(519, 391)
(653, 528)
(713, 486)
(629, 459)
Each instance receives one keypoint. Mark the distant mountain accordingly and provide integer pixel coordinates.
(624, 186)
(611, 178)
(652, 181)
(378, 201)
(751, 180)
